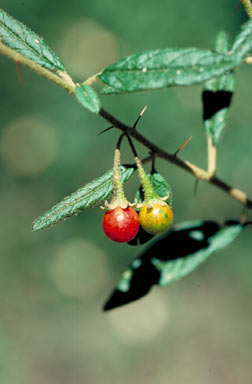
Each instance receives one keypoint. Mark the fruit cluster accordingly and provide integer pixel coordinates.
(121, 221)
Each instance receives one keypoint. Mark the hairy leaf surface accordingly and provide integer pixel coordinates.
(86, 197)
(23, 40)
(166, 67)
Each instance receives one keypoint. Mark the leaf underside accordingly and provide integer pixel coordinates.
(171, 257)
(23, 40)
(86, 197)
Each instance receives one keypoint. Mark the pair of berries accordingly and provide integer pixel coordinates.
(121, 221)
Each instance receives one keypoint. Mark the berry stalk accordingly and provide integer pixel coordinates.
(149, 193)
(118, 192)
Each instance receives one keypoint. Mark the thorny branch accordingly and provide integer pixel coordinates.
(65, 81)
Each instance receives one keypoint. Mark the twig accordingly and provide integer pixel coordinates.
(13, 55)
(248, 60)
(212, 156)
(92, 79)
(197, 172)
(66, 83)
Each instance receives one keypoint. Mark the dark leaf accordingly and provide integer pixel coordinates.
(217, 96)
(166, 67)
(86, 197)
(171, 257)
(23, 40)
(87, 97)
(142, 237)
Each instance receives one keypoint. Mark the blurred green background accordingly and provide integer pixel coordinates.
(53, 283)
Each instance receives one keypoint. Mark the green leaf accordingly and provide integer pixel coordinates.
(86, 197)
(166, 67)
(243, 41)
(217, 96)
(160, 185)
(87, 97)
(23, 40)
(171, 257)
(173, 270)
(107, 91)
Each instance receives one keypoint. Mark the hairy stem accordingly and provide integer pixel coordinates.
(149, 193)
(92, 79)
(118, 192)
(247, 6)
(65, 83)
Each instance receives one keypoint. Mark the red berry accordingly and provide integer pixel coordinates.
(121, 225)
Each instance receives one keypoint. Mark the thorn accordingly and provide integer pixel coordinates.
(153, 158)
(143, 110)
(105, 130)
(196, 187)
(244, 215)
(20, 74)
(139, 117)
(236, 8)
(182, 146)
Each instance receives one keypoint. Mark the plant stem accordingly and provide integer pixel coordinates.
(212, 156)
(118, 192)
(149, 193)
(15, 56)
(248, 60)
(197, 172)
(248, 7)
(65, 82)
(92, 79)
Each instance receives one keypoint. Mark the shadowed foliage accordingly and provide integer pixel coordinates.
(171, 257)
(213, 102)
